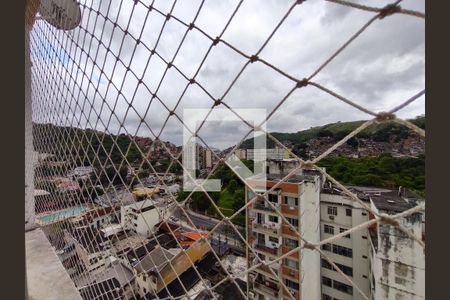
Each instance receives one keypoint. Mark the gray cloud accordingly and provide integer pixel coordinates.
(379, 70)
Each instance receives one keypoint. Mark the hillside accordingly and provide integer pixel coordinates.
(98, 148)
(377, 139)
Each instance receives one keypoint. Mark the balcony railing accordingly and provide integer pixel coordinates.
(265, 206)
(266, 227)
(285, 249)
(262, 247)
(289, 210)
(267, 288)
(290, 272)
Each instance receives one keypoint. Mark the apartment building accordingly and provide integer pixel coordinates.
(367, 255)
(338, 213)
(261, 154)
(140, 217)
(398, 272)
(297, 199)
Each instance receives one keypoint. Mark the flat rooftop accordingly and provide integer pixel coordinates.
(278, 177)
(46, 277)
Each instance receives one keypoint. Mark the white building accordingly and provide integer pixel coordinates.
(339, 213)
(140, 217)
(397, 261)
(382, 261)
(261, 154)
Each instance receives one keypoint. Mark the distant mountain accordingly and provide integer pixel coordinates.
(375, 140)
(92, 147)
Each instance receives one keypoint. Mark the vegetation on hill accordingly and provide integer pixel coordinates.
(378, 132)
(382, 171)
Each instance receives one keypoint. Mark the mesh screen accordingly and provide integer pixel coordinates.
(108, 97)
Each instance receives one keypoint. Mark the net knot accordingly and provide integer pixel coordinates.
(384, 117)
(389, 10)
(302, 83)
(307, 164)
(216, 41)
(254, 58)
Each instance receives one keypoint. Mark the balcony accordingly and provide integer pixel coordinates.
(289, 210)
(271, 228)
(286, 249)
(267, 288)
(266, 249)
(286, 230)
(265, 206)
(289, 272)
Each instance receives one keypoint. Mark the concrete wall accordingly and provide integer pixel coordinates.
(399, 264)
(310, 231)
(29, 151)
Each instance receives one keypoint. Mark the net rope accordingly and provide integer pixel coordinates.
(74, 118)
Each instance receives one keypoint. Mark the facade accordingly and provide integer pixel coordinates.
(297, 199)
(320, 211)
(367, 256)
(262, 154)
(339, 213)
(397, 272)
(140, 217)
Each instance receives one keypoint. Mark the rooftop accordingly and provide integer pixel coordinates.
(155, 260)
(278, 177)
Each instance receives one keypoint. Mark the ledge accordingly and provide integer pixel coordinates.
(46, 278)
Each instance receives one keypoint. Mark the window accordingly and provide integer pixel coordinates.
(326, 297)
(344, 251)
(342, 230)
(291, 263)
(343, 287)
(273, 239)
(328, 229)
(326, 247)
(291, 284)
(348, 212)
(346, 270)
(291, 243)
(273, 198)
(364, 256)
(327, 281)
(294, 222)
(273, 219)
(332, 210)
(364, 237)
(326, 264)
(291, 201)
(364, 276)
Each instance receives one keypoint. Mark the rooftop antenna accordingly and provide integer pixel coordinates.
(62, 14)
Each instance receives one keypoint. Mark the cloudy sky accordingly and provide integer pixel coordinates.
(379, 70)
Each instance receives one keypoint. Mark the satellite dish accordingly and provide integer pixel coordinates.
(63, 14)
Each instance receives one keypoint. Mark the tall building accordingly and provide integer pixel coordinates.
(319, 211)
(297, 199)
(367, 255)
(338, 213)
